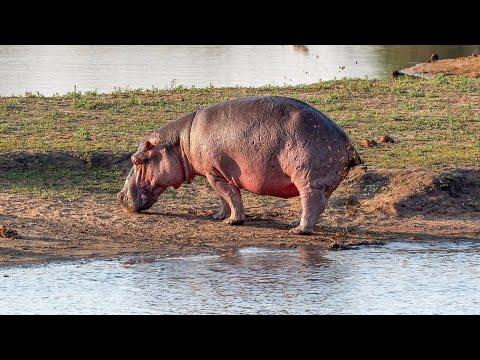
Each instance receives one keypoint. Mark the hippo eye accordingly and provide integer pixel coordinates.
(136, 161)
(139, 161)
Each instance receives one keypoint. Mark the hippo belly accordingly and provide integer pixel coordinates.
(277, 185)
(285, 189)
(261, 174)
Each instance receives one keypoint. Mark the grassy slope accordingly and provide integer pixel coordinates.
(436, 123)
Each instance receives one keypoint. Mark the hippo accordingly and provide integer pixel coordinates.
(267, 145)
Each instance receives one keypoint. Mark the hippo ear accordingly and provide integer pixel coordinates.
(148, 146)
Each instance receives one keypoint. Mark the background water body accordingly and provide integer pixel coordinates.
(57, 69)
(398, 278)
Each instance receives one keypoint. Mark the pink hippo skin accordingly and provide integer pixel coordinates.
(268, 145)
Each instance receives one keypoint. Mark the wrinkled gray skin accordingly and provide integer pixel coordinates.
(270, 145)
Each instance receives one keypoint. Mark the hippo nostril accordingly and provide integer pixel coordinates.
(120, 197)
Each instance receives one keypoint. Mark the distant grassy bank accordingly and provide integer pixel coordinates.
(63, 145)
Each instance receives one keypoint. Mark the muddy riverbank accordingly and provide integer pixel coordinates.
(371, 207)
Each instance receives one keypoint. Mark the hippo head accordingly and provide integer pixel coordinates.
(155, 167)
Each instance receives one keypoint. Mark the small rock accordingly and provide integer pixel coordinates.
(6, 276)
(337, 246)
(395, 73)
(386, 139)
(8, 233)
(434, 57)
(369, 143)
(351, 200)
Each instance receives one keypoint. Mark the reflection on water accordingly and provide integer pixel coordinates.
(57, 69)
(399, 278)
(312, 256)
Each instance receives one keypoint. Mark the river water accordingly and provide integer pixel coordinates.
(58, 68)
(397, 278)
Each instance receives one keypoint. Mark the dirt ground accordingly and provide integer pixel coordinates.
(370, 207)
(468, 66)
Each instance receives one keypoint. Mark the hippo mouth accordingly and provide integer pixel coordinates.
(142, 202)
(146, 202)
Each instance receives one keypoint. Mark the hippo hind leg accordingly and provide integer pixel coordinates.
(232, 196)
(224, 212)
(313, 202)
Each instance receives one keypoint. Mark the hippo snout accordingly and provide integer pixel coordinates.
(134, 204)
(120, 197)
(126, 205)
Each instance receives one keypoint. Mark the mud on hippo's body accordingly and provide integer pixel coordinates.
(271, 145)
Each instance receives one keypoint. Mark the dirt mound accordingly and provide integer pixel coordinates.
(412, 192)
(387, 139)
(368, 143)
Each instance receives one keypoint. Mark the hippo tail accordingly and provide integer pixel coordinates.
(353, 157)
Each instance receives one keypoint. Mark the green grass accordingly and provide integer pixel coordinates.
(436, 123)
(82, 133)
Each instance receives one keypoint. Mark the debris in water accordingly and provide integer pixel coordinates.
(301, 48)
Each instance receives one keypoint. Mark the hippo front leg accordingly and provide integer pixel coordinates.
(232, 196)
(294, 223)
(224, 212)
(313, 203)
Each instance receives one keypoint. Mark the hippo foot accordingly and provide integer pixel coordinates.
(221, 215)
(299, 231)
(233, 221)
(294, 223)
